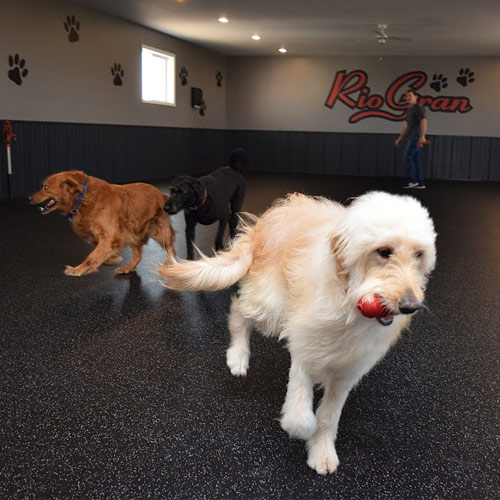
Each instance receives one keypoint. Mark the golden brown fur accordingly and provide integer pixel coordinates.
(110, 216)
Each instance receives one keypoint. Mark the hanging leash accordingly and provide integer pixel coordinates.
(78, 203)
(9, 137)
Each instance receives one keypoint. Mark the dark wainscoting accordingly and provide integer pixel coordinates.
(116, 153)
(122, 154)
(448, 157)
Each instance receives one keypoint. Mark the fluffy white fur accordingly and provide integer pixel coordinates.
(303, 267)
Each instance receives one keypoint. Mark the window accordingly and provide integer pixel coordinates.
(158, 76)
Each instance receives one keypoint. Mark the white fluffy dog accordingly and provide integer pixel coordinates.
(306, 268)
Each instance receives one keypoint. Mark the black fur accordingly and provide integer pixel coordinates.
(214, 197)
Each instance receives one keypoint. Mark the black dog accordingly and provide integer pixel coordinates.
(214, 197)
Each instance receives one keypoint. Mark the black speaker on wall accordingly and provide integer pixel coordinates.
(196, 97)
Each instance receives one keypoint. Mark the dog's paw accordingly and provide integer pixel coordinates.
(301, 426)
(125, 270)
(73, 271)
(322, 456)
(238, 360)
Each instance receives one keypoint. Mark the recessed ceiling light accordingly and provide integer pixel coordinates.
(223, 19)
(255, 37)
(282, 50)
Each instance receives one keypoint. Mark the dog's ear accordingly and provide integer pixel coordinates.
(199, 188)
(180, 181)
(75, 180)
(338, 248)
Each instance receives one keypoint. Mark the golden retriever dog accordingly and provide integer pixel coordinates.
(309, 267)
(108, 216)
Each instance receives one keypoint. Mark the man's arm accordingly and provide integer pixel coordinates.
(423, 130)
(402, 134)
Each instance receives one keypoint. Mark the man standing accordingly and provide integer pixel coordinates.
(414, 130)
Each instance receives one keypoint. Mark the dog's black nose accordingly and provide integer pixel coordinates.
(170, 208)
(409, 304)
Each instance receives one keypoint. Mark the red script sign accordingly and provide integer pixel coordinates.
(352, 90)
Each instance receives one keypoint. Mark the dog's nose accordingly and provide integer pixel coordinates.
(409, 304)
(170, 208)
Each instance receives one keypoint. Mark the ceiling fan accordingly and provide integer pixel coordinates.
(382, 35)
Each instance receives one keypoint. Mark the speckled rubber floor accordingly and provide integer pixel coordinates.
(115, 388)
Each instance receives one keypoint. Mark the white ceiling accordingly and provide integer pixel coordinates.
(321, 27)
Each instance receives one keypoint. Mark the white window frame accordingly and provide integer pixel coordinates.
(170, 80)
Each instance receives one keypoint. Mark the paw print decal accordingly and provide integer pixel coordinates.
(72, 26)
(117, 72)
(218, 79)
(183, 75)
(465, 76)
(439, 82)
(17, 71)
(203, 108)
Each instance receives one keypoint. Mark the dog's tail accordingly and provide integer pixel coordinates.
(211, 273)
(238, 160)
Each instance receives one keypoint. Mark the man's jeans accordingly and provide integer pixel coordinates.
(413, 160)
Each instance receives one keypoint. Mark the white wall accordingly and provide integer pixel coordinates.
(289, 93)
(72, 82)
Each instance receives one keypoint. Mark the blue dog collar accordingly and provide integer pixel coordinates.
(78, 203)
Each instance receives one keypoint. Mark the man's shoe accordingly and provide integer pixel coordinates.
(411, 185)
(420, 186)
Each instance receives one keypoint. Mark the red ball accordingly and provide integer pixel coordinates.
(372, 307)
